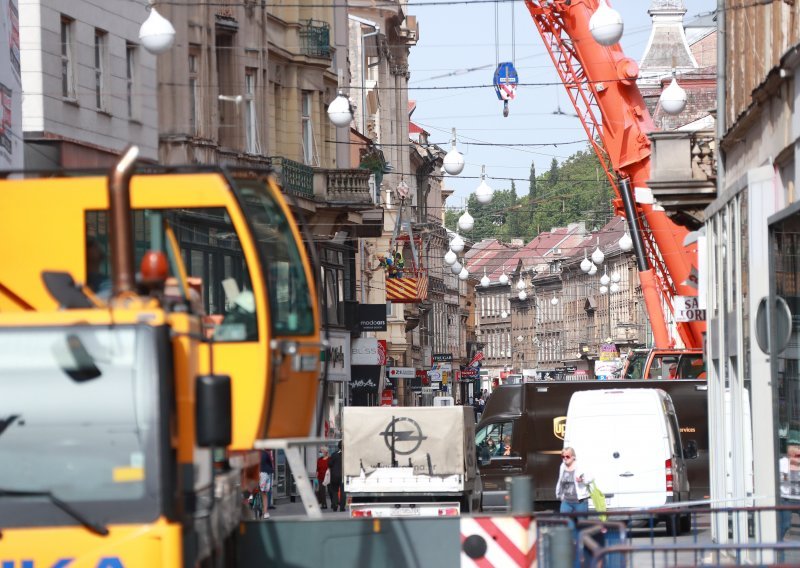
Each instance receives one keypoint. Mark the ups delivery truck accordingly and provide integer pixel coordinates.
(521, 432)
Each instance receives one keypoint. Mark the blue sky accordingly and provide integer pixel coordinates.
(455, 38)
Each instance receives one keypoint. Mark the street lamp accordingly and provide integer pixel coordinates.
(340, 111)
(484, 193)
(503, 277)
(453, 161)
(606, 24)
(457, 244)
(673, 98)
(466, 222)
(156, 33)
(485, 280)
(597, 256)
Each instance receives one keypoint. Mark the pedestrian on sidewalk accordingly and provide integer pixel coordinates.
(322, 469)
(335, 487)
(572, 487)
(266, 477)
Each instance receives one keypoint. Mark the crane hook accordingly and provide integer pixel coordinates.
(505, 108)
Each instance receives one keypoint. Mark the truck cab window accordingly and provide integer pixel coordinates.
(494, 440)
(218, 278)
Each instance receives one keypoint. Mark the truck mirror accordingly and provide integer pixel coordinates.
(213, 417)
(690, 451)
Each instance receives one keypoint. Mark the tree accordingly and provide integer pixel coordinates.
(532, 195)
(577, 190)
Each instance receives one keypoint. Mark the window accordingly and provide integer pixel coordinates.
(228, 85)
(194, 57)
(212, 254)
(130, 77)
(308, 129)
(67, 76)
(336, 283)
(495, 440)
(250, 118)
(100, 45)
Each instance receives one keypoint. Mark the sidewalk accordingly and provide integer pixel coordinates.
(284, 508)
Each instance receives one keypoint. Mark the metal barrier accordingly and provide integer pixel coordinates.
(682, 536)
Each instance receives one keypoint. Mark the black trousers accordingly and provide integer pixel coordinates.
(322, 495)
(334, 490)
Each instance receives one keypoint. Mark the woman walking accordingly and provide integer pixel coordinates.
(572, 487)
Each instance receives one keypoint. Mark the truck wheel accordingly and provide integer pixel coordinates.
(465, 504)
(673, 525)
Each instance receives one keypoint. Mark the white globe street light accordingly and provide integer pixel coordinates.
(614, 288)
(340, 112)
(606, 24)
(466, 222)
(605, 279)
(485, 280)
(456, 267)
(157, 33)
(626, 242)
(523, 295)
(484, 193)
(604, 289)
(615, 277)
(520, 284)
(592, 270)
(673, 98)
(457, 244)
(503, 278)
(464, 274)
(504, 314)
(586, 264)
(554, 301)
(597, 256)
(453, 161)
(450, 258)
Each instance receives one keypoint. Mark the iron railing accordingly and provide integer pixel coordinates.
(295, 178)
(315, 38)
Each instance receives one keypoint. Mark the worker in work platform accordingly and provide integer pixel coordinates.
(335, 486)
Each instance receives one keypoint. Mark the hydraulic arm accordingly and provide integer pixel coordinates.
(601, 83)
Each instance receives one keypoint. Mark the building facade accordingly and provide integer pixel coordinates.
(89, 86)
(749, 270)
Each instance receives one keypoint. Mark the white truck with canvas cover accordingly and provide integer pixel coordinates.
(410, 461)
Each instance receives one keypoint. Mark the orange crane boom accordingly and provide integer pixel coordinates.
(601, 82)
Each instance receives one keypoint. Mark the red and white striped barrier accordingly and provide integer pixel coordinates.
(498, 542)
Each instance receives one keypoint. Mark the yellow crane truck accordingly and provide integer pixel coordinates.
(146, 319)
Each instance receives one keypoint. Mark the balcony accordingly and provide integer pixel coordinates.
(345, 187)
(315, 38)
(295, 178)
(683, 174)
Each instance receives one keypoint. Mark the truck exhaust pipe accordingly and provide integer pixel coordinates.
(119, 218)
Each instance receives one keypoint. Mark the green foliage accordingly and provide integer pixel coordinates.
(577, 190)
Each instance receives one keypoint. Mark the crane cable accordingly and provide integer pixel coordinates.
(505, 75)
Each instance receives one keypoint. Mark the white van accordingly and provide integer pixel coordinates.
(629, 439)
